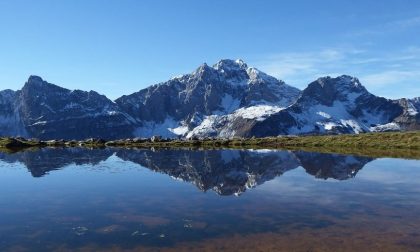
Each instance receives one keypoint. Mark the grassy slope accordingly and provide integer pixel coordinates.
(389, 144)
(393, 144)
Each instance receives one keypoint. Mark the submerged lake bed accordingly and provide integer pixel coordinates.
(116, 199)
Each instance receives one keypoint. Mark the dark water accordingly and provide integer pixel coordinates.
(214, 200)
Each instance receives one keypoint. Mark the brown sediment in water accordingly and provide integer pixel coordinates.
(330, 240)
(150, 221)
(334, 240)
(383, 231)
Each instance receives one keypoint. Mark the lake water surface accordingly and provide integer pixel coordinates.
(77, 199)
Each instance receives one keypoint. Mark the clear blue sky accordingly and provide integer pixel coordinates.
(120, 46)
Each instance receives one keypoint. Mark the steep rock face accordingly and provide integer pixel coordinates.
(333, 105)
(410, 118)
(10, 120)
(184, 102)
(48, 111)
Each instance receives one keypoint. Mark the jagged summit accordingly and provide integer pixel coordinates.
(36, 83)
(326, 90)
(340, 81)
(35, 79)
(230, 65)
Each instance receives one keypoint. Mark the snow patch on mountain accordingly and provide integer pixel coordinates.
(208, 127)
(229, 104)
(259, 112)
(168, 128)
(412, 109)
(179, 131)
(386, 127)
(327, 118)
(220, 125)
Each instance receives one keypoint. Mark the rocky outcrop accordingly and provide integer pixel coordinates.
(410, 118)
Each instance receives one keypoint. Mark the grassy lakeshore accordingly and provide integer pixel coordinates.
(397, 144)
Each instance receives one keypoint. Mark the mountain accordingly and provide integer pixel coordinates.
(181, 104)
(46, 111)
(327, 105)
(228, 99)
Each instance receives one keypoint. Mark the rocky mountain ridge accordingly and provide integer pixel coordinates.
(228, 99)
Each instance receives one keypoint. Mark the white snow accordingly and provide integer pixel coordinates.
(181, 130)
(229, 104)
(206, 127)
(323, 114)
(262, 151)
(168, 128)
(112, 112)
(412, 109)
(220, 125)
(385, 127)
(39, 123)
(352, 124)
(178, 77)
(327, 125)
(259, 112)
(333, 116)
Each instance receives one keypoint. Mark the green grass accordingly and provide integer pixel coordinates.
(389, 140)
(16, 143)
(387, 144)
(393, 144)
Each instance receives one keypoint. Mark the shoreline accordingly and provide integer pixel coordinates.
(384, 144)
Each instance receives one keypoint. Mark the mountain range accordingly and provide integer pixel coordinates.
(228, 99)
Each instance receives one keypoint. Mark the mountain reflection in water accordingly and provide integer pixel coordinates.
(227, 172)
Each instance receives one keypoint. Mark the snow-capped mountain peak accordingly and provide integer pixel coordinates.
(228, 65)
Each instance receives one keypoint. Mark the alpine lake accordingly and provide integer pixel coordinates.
(122, 199)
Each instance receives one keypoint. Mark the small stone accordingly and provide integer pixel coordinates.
(135, 233)
(80, 230)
